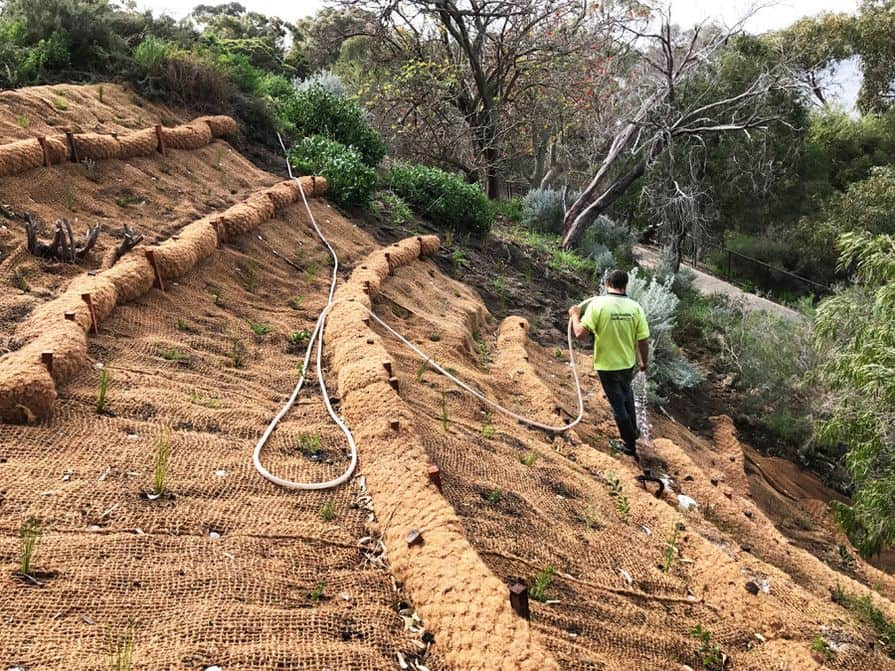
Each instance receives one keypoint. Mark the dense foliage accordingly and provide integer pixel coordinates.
(351, 181)
(443, 198)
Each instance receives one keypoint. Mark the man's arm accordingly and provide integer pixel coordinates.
(578, 328)
(643, 348)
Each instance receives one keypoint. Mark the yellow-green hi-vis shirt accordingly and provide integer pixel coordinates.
(617, 323)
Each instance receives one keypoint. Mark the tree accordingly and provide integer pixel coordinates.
(675, 104)
(459, 65)
(855, 331)
(876, 46)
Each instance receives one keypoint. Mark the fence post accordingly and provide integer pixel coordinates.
(729, 262)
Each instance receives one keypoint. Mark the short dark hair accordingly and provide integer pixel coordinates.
(617, 279)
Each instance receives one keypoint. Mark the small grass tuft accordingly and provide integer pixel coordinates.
(299, 337)
(183, 326)
(317, 593)
(494, 495)
(671, 548)
(125, 200)
(864, 609)
(237, 352)
(591, 517)
(205, 401)
(617, 492)
(162, 456)
(174, 354)
(710, 655)
(421, 370)
(309, 443)
(105, 378)
(822, 648)
(259, 328)
(328, 511)
(29, 537)
(60, 104)
(542, 581)
(528, 459)
(296, 301)
(121, 648)
(23, 121)
(558, 353)
(20, 279)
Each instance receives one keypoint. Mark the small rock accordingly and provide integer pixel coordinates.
(212, 668)
(728, 492)
(745, 547)
(752, 588)
(714, 481)
(214, 535)
(748, 513)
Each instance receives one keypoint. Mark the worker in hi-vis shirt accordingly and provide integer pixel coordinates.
(620, 334)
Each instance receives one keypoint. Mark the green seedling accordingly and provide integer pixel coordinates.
(499, 285)
(125, 200)
(494, 495)
(89, 168)
(591, 517)
(311, 273)
(317, 593)
(105, 379)
(458, 258)
(60, 104)
(20, 279)
(822, 648)
(309, 443)
(162, 456)
(710, 655)
(295, 302)
(183, 326)
(102, 90)
(557, 353)
(488, 429)
(538, 590)
(299, 337)
(174, 354)
(23, 120)
(216, 292)
(435, 337)
(237, 352)
(484, 353)
(328, 511)
(249, 281)
(259, 328)
(671, 549)
(121, 649)
(29, 536)
(205, 401)
(528, 459)
(421, 370)
(617, 492)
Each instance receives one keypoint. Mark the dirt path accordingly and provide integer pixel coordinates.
(709, 284)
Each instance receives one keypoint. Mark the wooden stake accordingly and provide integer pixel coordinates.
(388, 367)
(88, 299)
(160, 147)
(388, 260)
(434, 475)
(414, 537)
(150, 256)
(393, 382)
(69, 315)
(43, 147)
(394, 424)
(519, 600)
(47, 358)
(73, 147)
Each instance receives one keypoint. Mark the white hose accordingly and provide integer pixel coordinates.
(317, 336)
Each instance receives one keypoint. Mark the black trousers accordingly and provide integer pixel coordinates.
(617, 387)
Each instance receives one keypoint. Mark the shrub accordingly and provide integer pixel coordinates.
(543, 211)
(667, 368)
(606, 234)
(317, 111)
(327, 79)
(150, 55)
(443, 198)
(510, 209)
(391, 208)
(351, 182)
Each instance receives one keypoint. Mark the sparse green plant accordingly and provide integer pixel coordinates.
(488, 429)
(528, 459)
(218, 158)
(558, 353)
(299, 337)
(317, 593)
(617, 492)
(259, 328)
(105, 378)
(822, 648)
(121, 649)
(20, 279)
(205, 401)
(296, 301)
(124, 200)
(328, 511)
(804, 523)
(23, 120)
(183, 326)
(309, 443)
(29, 537)
(864, 609)
(484, 353)
(89, 168)
(591, 516)
(311, 273)
(237, 352)
(435, 337)
(494, 495)
(68, 198)
(249, 280)
(710, 655)
(162, 456)
(458, 258)
(421, 370)
(101, 91)
(500, 285)
(542, 581)
(60, 104)
(671, 549)
(216, 292)
(444, 410)
(174, 354)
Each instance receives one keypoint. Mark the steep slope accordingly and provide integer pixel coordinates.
(233, 571)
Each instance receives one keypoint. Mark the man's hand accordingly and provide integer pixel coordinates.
(642, 367)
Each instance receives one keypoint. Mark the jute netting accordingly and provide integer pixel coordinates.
(222, 573)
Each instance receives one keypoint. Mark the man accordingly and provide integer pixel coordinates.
(620, 334)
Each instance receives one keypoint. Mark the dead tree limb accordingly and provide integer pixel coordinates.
(63, 247)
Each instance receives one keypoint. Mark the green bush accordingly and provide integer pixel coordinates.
(605, 234)
(543, 211)
(510, 209)
(351, 181)
(150, 55)
(443, 198)
(317, 111)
